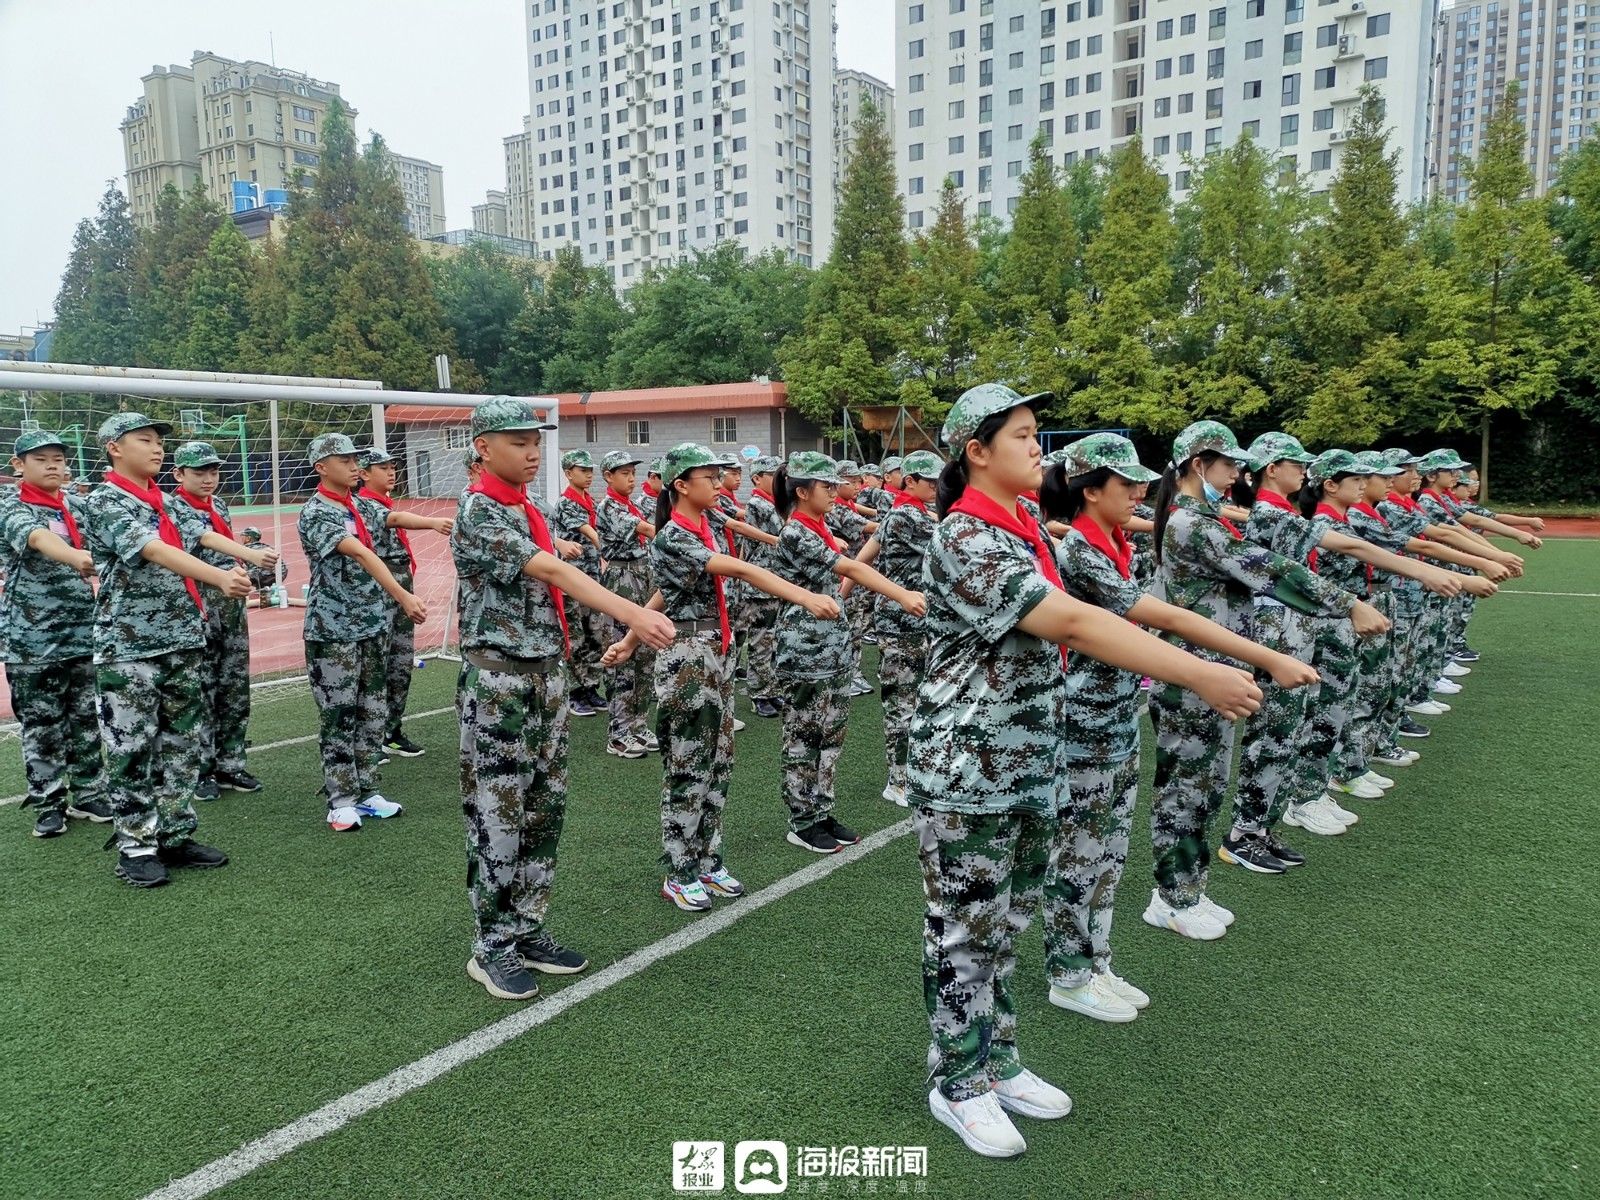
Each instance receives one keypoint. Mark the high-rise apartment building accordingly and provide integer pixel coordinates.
(851, 91)
(657, 129)
(979, 78)
(519, 189)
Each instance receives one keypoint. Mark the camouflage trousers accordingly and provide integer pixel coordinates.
(760, 612)
(629, 686)
(1273, 733)
(1194, 751)
(983, 876)
(694, 724)
(900, 666)
(1408, 614)
(1091, 853)
(54, 705)
(149, 715)
(1375, 686)
(347, 684)
(225, 685)
(400, 660)
(1328, 708)
(587, 628)
(858, 615)
(514, 796)
(815, 712)
(1432, 632)
(1465, 606)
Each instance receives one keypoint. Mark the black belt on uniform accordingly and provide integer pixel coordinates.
(511, 666)
(699, 625)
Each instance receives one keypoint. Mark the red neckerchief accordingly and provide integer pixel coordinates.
(405, 538)
(349, 505)
(1406, 502)
(703, 532)
(816, 525)
(491, 485)
(584, 499)
(731, 509)
(1371, 510)
(1275, 500)
(1325, 509)
(976, 504)
(764, 494)
(903, 499)
(1034, 496)
(648, 492)
(207, 506)
(1114, 546)
(1232, 529)
(29, 494)
(1445, 502)
(626, 502)
(165, 528)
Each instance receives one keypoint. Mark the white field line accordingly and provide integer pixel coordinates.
(339, 1113)
(1526, 592)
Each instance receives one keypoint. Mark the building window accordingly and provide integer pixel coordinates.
(724, 430)
(1379, 25)
(1321, 160)
(591, 429)
(1377, 68)
(638, 433)
(456, 438)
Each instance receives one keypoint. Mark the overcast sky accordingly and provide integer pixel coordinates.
(443, 80)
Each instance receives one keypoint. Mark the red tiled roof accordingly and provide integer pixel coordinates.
(715, 397)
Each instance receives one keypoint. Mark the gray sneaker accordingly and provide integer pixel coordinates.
(503, 975)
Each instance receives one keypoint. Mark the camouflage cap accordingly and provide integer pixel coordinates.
(1278, 447)
(576, 458)
(686, 456)
(328, 445)
(977, 404)
(730, 463)
(1110, 450)
(504, 414)
(893, 463)
(653, 467)
(813, 465)
(38, 439)
(471, 458)
(846, 468)
(1400, 458)
(872, 469)
(373, 457)
(196, 454)
(1335, 462)
(765, 464)
(1207, 435)
(250, 531)
(924, 464)
(1373, 462)
(1440, 460)
(619, 458)
(115, 428)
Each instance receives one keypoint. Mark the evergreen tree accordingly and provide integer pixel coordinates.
(217, 314)
(941, 311)
(95, 318)
(480, 292)
(561, 339)
(168, 251)
(1038, 264)
(1575, 214)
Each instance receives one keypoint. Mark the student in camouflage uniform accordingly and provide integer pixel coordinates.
(694, 678)
(1206, 566)
(574, 518)
(149, 636)
(1466, 496)
(512, 700)
(1378, 683)
(814, 656)
(1090, 487)
(347, 635)
(899, 549)
(988, 768)
(873, 494)
(758, 610)
(47, 611)
(197, 509)
(852, 529)
(263, 579)
(391, 541)
(625, 533)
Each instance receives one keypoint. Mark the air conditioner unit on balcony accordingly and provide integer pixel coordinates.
(1347, 45)
(1338, 136)
(1358, 6)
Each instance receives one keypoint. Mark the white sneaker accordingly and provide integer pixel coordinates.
(1309, 818)
(1454, 670)
(1336, 811)
(345, 818)
(690, 897)
(1379, 781)
(1393, 758)
(738, 725)
(1029, 1096)
(1446, 687)
(980, 1123)
(895, 794)
(1094, 999)
(1441, 706)
(1192, 922)
(1215, 911)
(1427, 708)
(1358, 787)
(1412, 756)
(1126, 990)
(376, 806)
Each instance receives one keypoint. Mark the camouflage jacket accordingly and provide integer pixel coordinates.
(903, 536)
(986, 735)
(142, 610)
(345, 603)
(849, 526)
(678, 560)
(1382, 535)
(764, 516)
(619, 532)
(386, 543)
(879, 498)
(1144, 548)
(502, 610)
(196, 524)
(1102, 700)
(1405, 524)
(565, 521)
(1207, 570)
(809, 648)
(47, 608)
(1349, 573)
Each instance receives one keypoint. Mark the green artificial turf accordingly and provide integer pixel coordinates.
(1412, 1014)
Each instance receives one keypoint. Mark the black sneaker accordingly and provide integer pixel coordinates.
(543, 953)
(403, 746)
(765, 708)
(1252, 853)
(842, 834)
(98, 811)
(145, 871)
(1283, 852)
(815, 838)
(207, 789)
(190, 853)
(1410, 729)
(503, 976)
(595, 700)
(50, 824)
(578, 705)
(237, 781)
(1466, 654)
